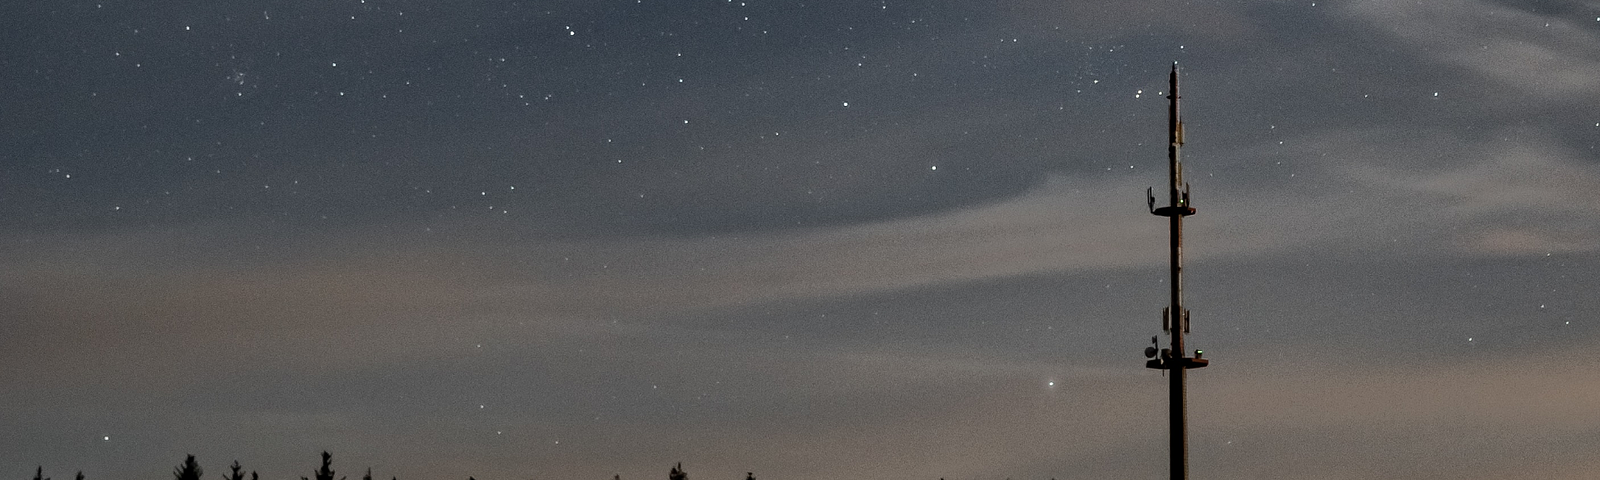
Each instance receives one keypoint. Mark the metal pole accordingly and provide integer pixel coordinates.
(1177, 319)
(1179, 403)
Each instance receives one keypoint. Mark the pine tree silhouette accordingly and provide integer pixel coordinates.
(39, 474)
(677, 473)
(189, 470)
(326, 472)
(80, 474)
(749, 475)
(236, 472)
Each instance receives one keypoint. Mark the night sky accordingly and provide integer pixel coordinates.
(888, 239)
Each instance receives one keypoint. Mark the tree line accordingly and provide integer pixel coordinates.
(190, 470)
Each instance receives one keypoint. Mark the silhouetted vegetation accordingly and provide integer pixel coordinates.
(326, 472)
(39, 474)
(188, 470)
(236, 472)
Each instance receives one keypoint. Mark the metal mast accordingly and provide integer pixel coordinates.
(1175, 320)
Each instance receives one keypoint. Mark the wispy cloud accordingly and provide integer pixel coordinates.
(1549, 57)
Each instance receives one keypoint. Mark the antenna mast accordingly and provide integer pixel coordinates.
(1175, 319)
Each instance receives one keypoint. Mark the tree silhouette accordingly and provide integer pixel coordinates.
(39, 474)
(749, 475)
(80, 474)
(189, 470)
(677, 473)
(326, 472)
(236, 472)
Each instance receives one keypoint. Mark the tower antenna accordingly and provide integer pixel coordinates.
(1175, 319)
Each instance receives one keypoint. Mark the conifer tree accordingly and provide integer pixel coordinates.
(326, 472)
(236, 472)
(39, 474)
(677, 473)
(189, 470)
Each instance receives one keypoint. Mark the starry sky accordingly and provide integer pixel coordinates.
(887, 239)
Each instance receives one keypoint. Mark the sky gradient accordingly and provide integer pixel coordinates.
(818, 239)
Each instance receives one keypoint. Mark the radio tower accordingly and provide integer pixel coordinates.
(1175, 319)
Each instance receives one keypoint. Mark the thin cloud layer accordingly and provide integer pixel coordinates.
(1549, 56)
(835, 239)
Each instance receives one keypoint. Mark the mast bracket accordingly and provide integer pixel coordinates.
(1173, 211)
(1178, 362)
